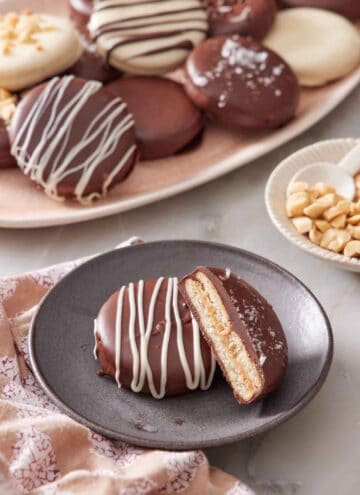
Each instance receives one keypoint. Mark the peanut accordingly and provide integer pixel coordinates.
(341, 207)
(354, 231)
(322, 225)
(298, 187)
(302, 224)
(339, 222)
(315, 236)
(354, 220)
(335, 240)
(316, 209)
(296, 203)
(323, 188)
(352, 249)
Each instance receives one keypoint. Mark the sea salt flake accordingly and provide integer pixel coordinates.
(262, 359)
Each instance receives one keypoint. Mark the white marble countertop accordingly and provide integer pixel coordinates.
(318, 451)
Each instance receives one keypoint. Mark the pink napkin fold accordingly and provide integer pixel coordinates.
(44, 452)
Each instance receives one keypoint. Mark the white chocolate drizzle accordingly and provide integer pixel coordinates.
(52, 159)
(95, 346)
(142, 371)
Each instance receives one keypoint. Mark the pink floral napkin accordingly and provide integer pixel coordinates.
(44, 452)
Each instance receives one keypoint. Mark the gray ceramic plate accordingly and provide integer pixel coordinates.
(61, 346)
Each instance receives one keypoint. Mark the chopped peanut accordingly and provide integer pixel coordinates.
(302, 224)
(323, 188)
(317, 208)
(352, 210)
(354, 231)
(315, 236)
(352, 250)
(298, 187)
(322, 225)
(340, 208)
(7, 105)
(355, 220)
(335, 240)
(296, 203)
(329, 220)
(339, 222)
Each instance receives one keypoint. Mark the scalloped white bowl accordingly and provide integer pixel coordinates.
(275, 195)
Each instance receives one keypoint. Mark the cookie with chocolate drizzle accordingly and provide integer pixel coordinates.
(147, 37)
(73, 138)
(148, 341)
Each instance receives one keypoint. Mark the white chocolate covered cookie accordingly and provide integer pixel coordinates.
(320, 46)
(34, 47)
(147, 36)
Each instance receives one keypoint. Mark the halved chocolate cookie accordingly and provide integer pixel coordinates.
(241, 328)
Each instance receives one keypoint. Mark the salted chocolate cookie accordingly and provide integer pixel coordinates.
(241, 84)
(80, 11)
(34, 47)
(93, 67)
(166, 120)
(347, 8)
(145, 37)
(147, 340)
(244, 17)
(319, 45)
(73, 138)
(241, 328)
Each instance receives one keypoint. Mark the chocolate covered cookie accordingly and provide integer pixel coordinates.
(241, 84)
(148, 341)
(347, 8)
(244, 17)
(90, 65)
(73, 138)
(241, 328)
(145, 37)
(93, 67)
(166, 120)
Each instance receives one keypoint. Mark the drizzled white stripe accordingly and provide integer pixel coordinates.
(118, 327)
(95, 346)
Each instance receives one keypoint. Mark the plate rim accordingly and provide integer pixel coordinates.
(180, 444)
(237, 160)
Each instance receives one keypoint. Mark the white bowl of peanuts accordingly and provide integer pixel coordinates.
(315, 217)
